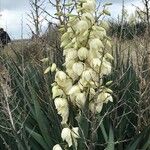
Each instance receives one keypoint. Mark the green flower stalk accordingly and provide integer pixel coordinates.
(87, 61)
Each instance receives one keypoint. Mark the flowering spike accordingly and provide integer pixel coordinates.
(85, 48)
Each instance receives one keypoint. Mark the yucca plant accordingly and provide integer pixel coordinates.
(78, 91)
(42, 117)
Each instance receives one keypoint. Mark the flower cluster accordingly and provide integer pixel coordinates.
(85, 45)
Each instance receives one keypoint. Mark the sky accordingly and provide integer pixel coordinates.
(14, 18)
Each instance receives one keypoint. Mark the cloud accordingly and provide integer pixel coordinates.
(12, 21)
(119, 1)
(14, 4)
(14, 10)
(130, 6)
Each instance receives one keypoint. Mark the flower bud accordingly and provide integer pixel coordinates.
(108, 44)
(64, 43)
(108, 56)
(44, 60)
(106, 12)
(64, 36)
(47, 70)
(53, 67)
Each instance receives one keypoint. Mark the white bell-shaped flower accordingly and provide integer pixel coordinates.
(82, 39)
(104, 97)
(78, 68)
(82, 83)
(96, 44)
(44, 60)
(89, 6)
(56, 91)
(70, 136)
(60, 77)
(82, 53)
(95, 107)
(88, 17)
(92, 93)
(90, 74)
(81, 27)
(57, 147)
(67, 86)
(99, 107)
(71, 74)
(98, 32)
(106, 67)
(93, 54)
(96, 64)
(61, 105)
(74, 90)
(69, 64)
(87, 75)
(71, 55)
(80, 99)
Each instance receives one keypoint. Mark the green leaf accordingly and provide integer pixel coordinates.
(104, 132)
(106, 12)
(38, 138)
(58, 14)
(84, 124)
(139, 139)
(107, 4)
(111, 145)
(147, 144)
(68, 5)
(42, 120)
(134, 144)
